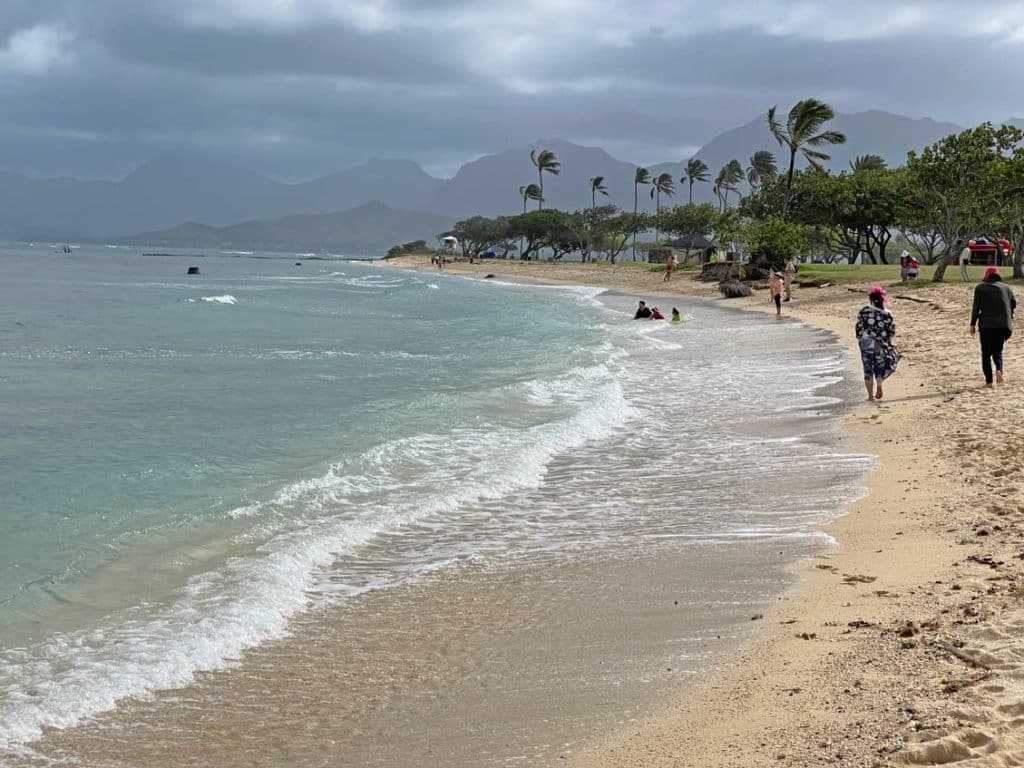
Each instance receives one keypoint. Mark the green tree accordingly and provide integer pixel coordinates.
(953, 184)
(868, 162)
(853, 214)
(542, 229)
(479, 233)
(662, 185)
(545, 161)
(802, 133)
(688, 222)
(774, 240)
(590, 227)
(696, 170)
(597, 187)
(763, 167)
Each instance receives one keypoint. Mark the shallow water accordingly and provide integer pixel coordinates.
(188, 462)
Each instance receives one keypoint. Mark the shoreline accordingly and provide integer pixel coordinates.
(852, 667)
(885, 651)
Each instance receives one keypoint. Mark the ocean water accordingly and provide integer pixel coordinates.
(189, 461)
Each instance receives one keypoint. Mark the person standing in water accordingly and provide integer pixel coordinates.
(643, 312)
(670, 264)
(676, 317)
(875, 330)
(992, 318)
(775, 286)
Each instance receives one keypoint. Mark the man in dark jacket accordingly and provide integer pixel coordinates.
(992, 315)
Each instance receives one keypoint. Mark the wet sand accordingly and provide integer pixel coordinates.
(470, 668)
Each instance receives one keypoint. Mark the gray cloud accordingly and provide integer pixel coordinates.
(301, 87)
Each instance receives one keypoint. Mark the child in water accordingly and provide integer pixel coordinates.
(657, 314)
(676, 317)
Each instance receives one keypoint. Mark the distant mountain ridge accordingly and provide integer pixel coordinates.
(368, 228)
(196, 187)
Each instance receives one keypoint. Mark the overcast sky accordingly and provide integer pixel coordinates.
(298, 88)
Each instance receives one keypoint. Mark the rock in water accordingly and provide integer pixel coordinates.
(734, 289)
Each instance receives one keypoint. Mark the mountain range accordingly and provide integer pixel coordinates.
(408, 203)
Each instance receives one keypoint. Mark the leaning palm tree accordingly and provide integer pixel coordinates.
(597, 187)
(868, 162)
(662, 185)
(696, 170)
(802, 131)
(726, 181)
(640, 176)
(545, 161)
(528, 192)
(763, 167)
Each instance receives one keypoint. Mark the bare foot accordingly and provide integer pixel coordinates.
(878, 392)
(989, 385)
(999, 377)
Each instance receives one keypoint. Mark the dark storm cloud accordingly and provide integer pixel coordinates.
(300, 87)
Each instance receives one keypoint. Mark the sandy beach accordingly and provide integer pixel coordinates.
(899, 647)
(894, 646)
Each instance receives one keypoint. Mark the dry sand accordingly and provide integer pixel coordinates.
(904, 646)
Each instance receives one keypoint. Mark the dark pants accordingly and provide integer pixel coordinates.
(992, 340)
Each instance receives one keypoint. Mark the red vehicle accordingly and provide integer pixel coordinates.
(984, 251)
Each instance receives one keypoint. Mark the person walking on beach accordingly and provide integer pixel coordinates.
(789, 271)
(670, 264)
(875, 329)
(965, 262)
(992, 319)
(775, 286)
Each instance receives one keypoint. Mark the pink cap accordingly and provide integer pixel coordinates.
(991, 271)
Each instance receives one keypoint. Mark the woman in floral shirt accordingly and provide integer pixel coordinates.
(875, 329)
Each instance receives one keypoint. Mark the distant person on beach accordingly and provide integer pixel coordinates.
(789, 272)
(643, 312)
(992, 319)
(776, 286)
(875, 330)
(913, 268)
(965, 262)
(670, 264)
(676, 317)
(657, 314)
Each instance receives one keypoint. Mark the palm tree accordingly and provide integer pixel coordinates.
(641, 176)
(696, 170)
(663, 184)
(802, 131)
(726, 181)
(545, 161)
(597, 187)
(528, 192)
(762, 168)
(868, 163)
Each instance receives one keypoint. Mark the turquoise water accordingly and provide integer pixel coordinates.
(188, 461)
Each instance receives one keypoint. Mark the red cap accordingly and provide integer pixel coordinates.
(991, 271)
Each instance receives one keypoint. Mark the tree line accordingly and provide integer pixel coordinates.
(961, 186)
